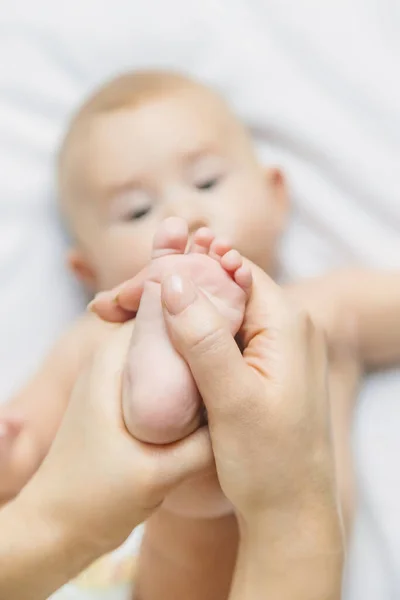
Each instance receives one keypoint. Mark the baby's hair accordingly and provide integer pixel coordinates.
(128, 90)
(132, 89)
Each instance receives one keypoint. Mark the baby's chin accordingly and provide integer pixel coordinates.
(200, 497)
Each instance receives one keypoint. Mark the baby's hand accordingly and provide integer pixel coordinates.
(15, 462)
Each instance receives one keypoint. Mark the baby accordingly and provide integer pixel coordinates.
(155, 175)
(146, 147)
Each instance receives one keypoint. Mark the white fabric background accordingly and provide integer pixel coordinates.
(319, 84)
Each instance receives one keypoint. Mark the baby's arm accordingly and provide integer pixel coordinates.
(360, 310)
(374, 297)
(362, 305)
(38, 408)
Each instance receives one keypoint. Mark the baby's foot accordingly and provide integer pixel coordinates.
(161, 403)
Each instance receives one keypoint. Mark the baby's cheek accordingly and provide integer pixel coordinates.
(121, 256)
(116, 270)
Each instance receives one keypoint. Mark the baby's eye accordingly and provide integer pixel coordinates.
(137, 214)
(207, 184)
(132, 205)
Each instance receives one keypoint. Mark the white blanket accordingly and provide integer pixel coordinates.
(319, 84)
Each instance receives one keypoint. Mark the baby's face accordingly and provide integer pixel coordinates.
(183, 155)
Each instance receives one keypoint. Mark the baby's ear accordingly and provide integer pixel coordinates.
(278, 190)
(81, 268)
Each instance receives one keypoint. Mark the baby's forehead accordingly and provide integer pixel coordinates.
(174, 125)
(113, 145)
(189, 111)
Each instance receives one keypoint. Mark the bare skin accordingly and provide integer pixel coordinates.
(60, 521)
(47, 393)
(167, 407)
(143, 149)
(169, 147)
(282, 542)
(280, 481)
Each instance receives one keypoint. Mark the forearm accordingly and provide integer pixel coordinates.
(359, 308)
(290, 562)
(193, 559)
(374, 298)
(37, 556)
(48, 390)
(46, 393)
(344, 382)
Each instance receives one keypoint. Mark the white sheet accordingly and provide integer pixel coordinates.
(317, 81)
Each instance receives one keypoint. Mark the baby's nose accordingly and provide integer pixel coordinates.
(194, 217)
(195, 224)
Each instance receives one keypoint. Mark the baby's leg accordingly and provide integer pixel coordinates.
(161, 403)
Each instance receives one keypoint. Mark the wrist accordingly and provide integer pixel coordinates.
(60, 531)
(290, 555)
(296, 531)
(39, 554)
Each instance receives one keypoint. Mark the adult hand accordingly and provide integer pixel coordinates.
(97, 481)
(270, 430)
(268, 408)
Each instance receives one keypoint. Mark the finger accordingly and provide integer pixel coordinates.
(122, 302)
(105, 305)
(266, 308)
(129, 293)
(202, 337)
(185, 458)
(107, 368)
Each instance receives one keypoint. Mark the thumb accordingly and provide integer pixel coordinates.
(185, 459)
(201, 336)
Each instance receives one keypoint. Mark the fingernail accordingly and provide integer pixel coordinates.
(177, 294)
(90, 306)
(116, 297)
(98, 296)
